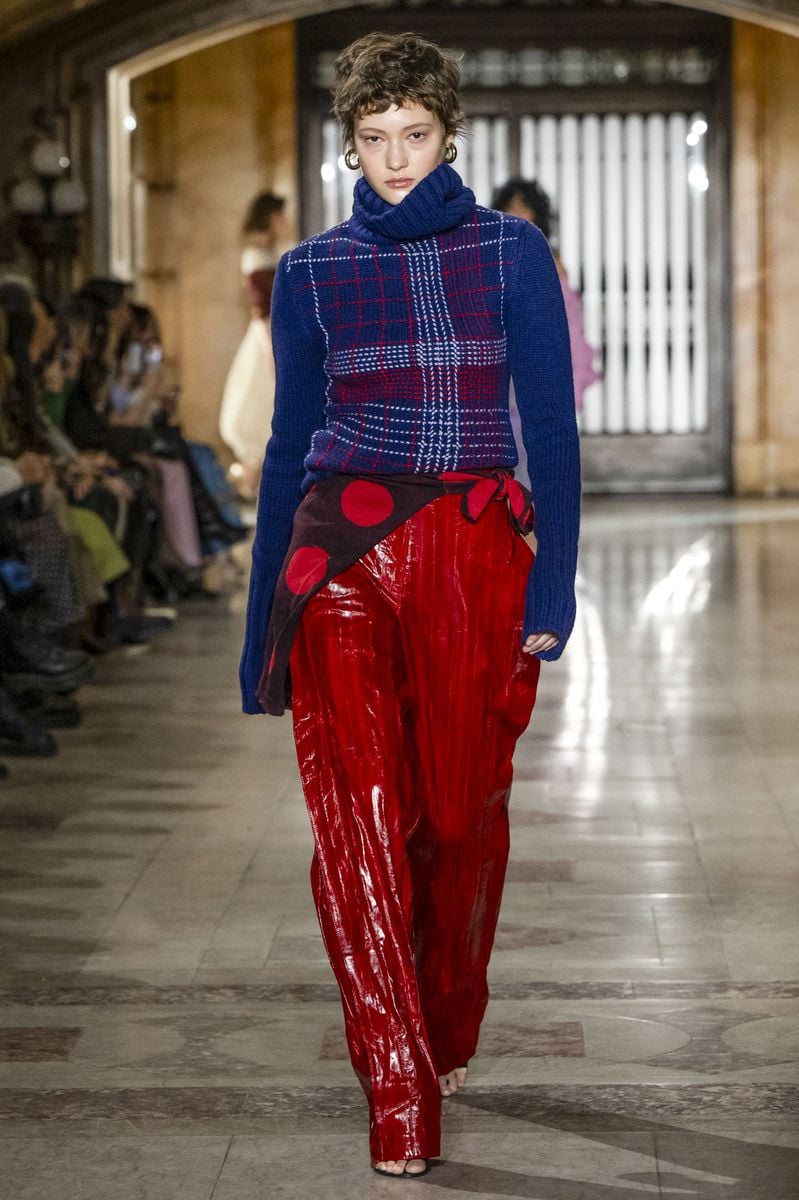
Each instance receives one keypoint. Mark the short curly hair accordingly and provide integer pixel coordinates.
(381, 69)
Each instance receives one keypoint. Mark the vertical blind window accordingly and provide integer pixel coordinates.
(631, 194)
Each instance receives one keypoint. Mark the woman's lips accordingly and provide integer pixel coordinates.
(399, 183)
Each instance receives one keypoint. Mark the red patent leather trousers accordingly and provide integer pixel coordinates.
(409, 693)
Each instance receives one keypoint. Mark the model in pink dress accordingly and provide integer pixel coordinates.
(526, 198)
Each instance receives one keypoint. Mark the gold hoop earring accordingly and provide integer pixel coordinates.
(450, 153)
(352, 161)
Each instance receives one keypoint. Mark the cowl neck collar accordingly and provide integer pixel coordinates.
(438, 202)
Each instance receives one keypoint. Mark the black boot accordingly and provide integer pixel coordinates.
(19, 735)
(51, 710)
(134, 630)
(159, 585)
(31, 662)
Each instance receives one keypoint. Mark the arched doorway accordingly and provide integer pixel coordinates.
(192, 138)
(756, 461)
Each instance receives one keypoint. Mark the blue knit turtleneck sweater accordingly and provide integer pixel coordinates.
(395, 337)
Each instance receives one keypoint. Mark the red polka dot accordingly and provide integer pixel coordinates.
(306, 567)
(365, 503)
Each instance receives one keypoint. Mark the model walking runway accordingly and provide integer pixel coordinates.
(394, 602)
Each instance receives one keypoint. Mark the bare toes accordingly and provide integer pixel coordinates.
(453, 1082)
(393, 1166)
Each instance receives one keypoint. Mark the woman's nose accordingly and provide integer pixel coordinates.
(396, 157)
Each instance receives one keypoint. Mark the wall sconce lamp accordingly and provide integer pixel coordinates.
(47, 204)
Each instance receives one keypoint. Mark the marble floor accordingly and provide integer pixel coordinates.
(169, 1028)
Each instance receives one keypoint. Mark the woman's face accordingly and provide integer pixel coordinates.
(397, 148)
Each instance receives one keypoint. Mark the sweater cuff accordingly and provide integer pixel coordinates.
(252, 660)
(542, 616)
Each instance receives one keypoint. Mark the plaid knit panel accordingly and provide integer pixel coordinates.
(416, 363)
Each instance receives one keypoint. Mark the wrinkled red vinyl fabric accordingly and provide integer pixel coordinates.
(410, 691)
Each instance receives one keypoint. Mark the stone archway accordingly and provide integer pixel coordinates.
(86, 57)
(25, 18)
(82, 51)
(764, 259)
(212, 128)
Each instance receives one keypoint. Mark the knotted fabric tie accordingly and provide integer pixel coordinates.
(498, 485)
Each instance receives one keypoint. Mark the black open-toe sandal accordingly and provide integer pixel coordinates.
(404, 1174)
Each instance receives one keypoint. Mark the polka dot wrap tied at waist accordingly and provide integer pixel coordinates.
(340, 519)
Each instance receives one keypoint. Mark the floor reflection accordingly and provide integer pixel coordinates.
(168, 1021)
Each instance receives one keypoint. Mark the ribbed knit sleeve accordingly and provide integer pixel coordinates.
(540, 363)
(299, 407)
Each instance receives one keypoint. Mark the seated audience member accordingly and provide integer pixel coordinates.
(97, 563)
(29, 516)
(103, 503)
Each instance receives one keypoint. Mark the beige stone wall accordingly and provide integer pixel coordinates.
(214, 128)
(765, 239)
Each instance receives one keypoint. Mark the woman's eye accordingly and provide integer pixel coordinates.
(371, 137)
(417, 135)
